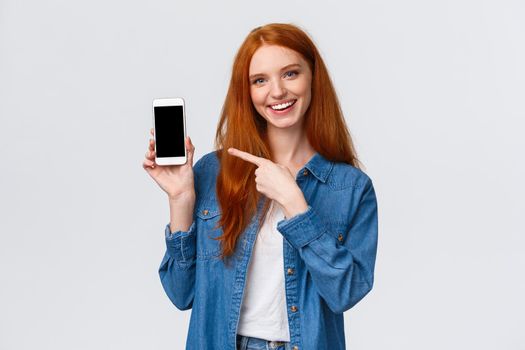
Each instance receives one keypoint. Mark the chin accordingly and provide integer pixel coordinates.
(282, 124)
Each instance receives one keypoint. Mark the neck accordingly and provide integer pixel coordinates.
(290, 147)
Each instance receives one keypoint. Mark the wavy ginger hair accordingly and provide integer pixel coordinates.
(241, 126)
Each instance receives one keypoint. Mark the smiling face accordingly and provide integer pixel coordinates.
(280, 86)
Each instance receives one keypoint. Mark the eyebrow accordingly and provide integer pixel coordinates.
(284, 68)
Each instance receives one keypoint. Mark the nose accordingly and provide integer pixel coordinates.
(278, 91)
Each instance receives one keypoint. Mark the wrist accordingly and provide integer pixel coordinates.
(295, 206)
(185, 197)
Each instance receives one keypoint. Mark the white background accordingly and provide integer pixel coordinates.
(433, 92)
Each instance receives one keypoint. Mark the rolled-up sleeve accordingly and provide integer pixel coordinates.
(177, 269)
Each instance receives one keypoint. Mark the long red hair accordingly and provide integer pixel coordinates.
(241, 126)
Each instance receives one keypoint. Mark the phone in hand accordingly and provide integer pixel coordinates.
(169, 124)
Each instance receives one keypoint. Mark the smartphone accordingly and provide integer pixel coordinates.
(169, 124)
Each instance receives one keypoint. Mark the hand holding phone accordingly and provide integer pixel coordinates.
(175, 180)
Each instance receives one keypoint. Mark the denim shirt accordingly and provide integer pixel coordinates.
(329, 255)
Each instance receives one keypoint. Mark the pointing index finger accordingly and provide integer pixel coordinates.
(246, 156)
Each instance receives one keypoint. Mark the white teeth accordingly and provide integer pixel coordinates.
(282, 106)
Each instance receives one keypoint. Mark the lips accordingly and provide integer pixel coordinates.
(283, 111)
(291, 102)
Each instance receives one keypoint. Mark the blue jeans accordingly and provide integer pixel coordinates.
(249, 343)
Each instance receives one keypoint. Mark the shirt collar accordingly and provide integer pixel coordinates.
(319, 166)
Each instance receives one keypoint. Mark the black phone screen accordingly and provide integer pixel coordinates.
(169, 131)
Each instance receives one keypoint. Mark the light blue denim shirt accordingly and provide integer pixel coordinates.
(329, 257)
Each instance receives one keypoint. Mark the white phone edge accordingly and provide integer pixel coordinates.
(170, 101)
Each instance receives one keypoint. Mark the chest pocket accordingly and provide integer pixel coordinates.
(207, 219)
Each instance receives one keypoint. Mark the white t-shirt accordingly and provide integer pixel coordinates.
(263, 310)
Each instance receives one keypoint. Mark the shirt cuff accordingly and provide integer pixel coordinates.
(180, 245)
(302, 228)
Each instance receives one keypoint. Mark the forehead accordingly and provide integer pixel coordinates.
(270, 58)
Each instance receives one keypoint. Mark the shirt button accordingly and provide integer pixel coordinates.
(295, 347)
(340, 237)
(293, 308)
(305, 172)
(289, 271)
(205, 211)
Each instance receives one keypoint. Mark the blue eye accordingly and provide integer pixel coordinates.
(289, 74)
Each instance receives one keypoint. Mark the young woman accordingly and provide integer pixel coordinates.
(273, 235)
